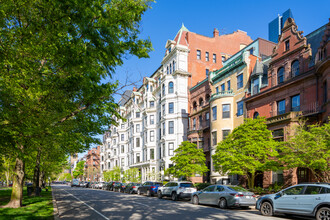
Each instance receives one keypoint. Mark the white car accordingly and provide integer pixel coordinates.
(176, 190)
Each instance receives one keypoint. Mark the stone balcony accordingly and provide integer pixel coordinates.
(221, 94)
(284, 117)
(205, 125)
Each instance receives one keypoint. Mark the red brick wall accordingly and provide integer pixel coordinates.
(224, 44)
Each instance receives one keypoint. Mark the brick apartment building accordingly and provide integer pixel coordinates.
(298, 79)
(92, 165)
(199, 120)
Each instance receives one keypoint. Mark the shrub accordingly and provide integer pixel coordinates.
(201, 186)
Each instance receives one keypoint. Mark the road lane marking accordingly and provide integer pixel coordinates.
(141, 204)
(87, 205)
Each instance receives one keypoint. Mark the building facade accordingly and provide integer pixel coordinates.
(92, 164)
(199, 123)
(229, 86)
(156, 114)
(298, 75)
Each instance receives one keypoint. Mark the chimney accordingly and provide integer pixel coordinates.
(215, 32)
(134, 89)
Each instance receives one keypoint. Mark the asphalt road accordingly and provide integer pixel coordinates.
(82, 203)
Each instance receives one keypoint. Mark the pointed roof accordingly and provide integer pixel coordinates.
(180, 37)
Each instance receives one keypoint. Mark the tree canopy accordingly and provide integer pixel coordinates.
(56, 61)
(187, 161)
(79, 170)
(309, 147)
(248, 149)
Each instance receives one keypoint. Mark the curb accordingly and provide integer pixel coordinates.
(55, 213)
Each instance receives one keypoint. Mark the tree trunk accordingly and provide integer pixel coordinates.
(7, 178)
(36, 174)
(41, 179)
(18, 180)
(251, 177)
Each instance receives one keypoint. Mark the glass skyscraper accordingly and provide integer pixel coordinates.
(275, 26)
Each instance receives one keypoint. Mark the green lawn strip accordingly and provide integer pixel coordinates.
(33, 207)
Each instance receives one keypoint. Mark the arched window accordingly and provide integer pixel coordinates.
(280, 75)
(194, 106)
(201, 102)
(207, 97)
(170, 87)
(255, 115)
(163, 90)
(295, 68)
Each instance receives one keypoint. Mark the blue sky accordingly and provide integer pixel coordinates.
(165, 18)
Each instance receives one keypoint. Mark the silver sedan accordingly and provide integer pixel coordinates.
(224, 196)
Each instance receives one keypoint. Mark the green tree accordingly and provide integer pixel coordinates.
(79, 170)
(188, 161)
(132, 175)
(65, 176)
(248, 149)
(54, 55)
(309, 147)
(7, 168)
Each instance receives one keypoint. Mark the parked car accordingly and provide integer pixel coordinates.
(119, 187)
(100, 185)
(176, 190)
(224, 196)
(149, 188)
(105, 185)
(132, 188)
(111, 185)
(75, 182)
(309, 199)
(92, 185)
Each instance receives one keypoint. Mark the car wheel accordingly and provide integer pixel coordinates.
(148, 193)
(195, 200)
(174, 196)
(139, 192)
(266, 209)
(323, 213)
(159, 194)
(223, 203)
(131, 192)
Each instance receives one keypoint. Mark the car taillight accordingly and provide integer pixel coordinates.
(153, 187)
(253, 195)
(134, 187)
(233, 194)
(180, 187)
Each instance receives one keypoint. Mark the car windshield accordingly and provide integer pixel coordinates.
(238, 189)
(158, 184)
(186, 185)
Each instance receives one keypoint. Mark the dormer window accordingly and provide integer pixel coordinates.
(287, 45)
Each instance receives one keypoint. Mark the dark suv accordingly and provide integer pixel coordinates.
(149, 188)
